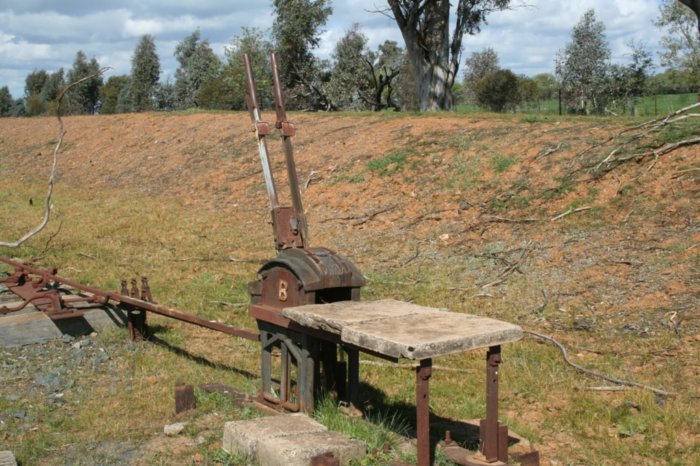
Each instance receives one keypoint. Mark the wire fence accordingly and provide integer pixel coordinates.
(652, 105)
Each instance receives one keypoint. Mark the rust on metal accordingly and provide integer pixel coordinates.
(184, 398)
(423, 373)
(43, 292)
(493, 436)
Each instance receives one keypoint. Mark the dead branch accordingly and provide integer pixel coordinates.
(226, 303)
(48, 241)
(628, 144)
(54, 164)
(510, 266)
(217, 259)
(515, 265)
(605, 388)
(362, 218)
(680, 173)
(497, 219)
(310, 178)
(434, 215)
(671, 147)
(569, 212)
(548, 151)
(593, 373)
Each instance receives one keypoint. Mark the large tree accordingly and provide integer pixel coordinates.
(582, 67)
(477, 66)
(253, 42)
(350, 78)
(434, 55)
(296, 32)
(84, 96)
(198, 64)
(681, 44)
(109, 93)
(695, 6)
(145, 71)
(33, 84)
(387, 72)
(6, 101)
(498, 90)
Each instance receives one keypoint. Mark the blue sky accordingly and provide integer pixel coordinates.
(41, 34)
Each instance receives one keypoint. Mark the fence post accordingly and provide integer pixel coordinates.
(560, 101)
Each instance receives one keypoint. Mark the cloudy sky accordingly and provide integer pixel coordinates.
(43, 34)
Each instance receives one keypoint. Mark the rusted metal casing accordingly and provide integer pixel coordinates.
(303, 276)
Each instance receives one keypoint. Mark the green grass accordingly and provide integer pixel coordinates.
(376, 430)
(643, 106)
(501, 163)
(392, 162)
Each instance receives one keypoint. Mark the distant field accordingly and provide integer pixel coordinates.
(643, 106)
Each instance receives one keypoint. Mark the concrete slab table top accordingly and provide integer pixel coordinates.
(404, 330)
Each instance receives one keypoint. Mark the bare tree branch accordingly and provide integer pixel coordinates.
(593, 373)
(54, 164)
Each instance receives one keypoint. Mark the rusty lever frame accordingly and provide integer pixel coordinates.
(288, 223)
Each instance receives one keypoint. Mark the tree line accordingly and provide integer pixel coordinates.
(418, 77)
(584, 80)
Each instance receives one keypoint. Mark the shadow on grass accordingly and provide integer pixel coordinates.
(153, 338)
(376, 404)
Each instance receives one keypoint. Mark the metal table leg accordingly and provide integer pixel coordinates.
(423, 373)
(494, 436)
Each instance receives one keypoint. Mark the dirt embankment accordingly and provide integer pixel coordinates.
(436, 187)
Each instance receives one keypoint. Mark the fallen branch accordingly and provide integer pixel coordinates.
(48, 241)
(364, 218)
(605, 388)
(629, 143)
(497, 219)
(680, 173)
(593, 373)
(54, 164)
(548, 151)
(310, 178)
(226, 303)
(569, 212)
(665, 149)
(510, 266)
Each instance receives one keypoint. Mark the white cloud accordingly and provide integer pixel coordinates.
(140, 27)
(14, 51)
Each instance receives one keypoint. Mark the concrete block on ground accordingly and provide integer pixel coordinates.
(245, 436)
(297, 450)
(31, 326)
(7, 458)
(27, 328)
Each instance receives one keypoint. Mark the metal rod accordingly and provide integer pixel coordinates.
(287, 132)
(261, 130)
(137, 303)
(423, 373)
